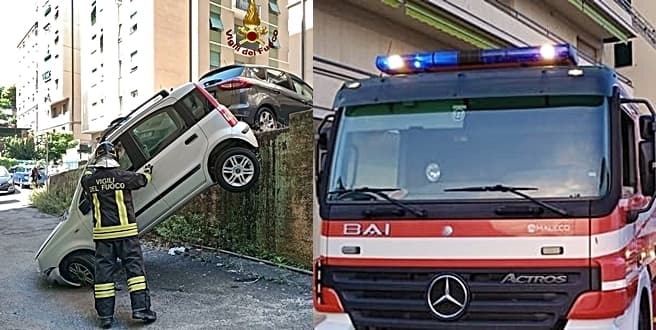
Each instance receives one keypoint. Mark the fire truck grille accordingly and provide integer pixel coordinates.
(381, 299)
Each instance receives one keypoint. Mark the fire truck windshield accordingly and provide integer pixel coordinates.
(557, 144)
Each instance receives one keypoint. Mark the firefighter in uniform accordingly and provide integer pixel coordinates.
(115, 234)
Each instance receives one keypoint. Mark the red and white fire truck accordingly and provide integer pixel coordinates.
(492, 189)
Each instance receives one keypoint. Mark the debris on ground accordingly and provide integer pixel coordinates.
(177, 250)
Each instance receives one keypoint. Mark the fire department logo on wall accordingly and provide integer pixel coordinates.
(249, 39)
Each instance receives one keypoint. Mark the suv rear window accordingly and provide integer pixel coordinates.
(222, 75)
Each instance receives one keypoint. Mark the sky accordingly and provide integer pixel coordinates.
(16, 17)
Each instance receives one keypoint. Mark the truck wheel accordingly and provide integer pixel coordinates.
(237, 169)
(79, 268)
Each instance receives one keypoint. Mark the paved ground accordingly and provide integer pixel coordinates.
(195, 290)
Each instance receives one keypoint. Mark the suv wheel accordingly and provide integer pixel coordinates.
(237, 169)
(266, 120)
(79, 268)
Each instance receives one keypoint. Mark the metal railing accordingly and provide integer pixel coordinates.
(639, 23)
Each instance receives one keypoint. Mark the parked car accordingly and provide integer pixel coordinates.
(23, 176)
(191, 141)
(262, 96)
(6, 181)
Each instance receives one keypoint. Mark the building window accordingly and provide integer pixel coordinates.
(273, 7)
(101, 43)
(215, 57)
(133, 28)
(56, 39)
(134, 68)
(133, 15)
(56, 13)
(46, 27)
(45, 59)
(134, 93)
(242, 4)
(215, 21)
(47, 11)
(623, 54)
(133, 56)
(93, 16)
(273, 63)
(273, 19)
(46, 76)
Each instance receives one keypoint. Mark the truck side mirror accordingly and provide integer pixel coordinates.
(320, 151)
(647, 177)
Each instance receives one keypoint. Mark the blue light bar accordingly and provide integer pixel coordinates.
(563, 54)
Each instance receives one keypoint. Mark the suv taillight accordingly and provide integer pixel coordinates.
(227, 115)
(236, 83)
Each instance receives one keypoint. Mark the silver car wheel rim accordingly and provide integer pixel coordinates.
(238, 170)
(266, 121)
(81, 273)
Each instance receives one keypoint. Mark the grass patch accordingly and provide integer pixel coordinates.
(194, 229)
(50, 202)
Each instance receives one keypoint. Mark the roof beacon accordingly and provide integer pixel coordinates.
(545, 55)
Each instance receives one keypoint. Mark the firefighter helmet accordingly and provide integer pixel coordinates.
(106, 155)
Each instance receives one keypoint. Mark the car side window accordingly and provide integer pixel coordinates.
(156, 132)
(279, 78)
(196, 104)
(123, 157)
(302, 88)
(259, 73)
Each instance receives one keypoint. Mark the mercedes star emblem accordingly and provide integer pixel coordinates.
(447, 297)
(433, 172)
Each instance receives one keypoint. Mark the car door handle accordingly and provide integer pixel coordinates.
(190, 139)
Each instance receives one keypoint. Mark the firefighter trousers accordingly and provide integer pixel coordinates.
(129, 251)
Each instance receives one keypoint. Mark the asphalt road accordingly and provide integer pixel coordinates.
(194, 290)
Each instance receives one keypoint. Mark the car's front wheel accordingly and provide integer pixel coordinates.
(79, 268)
(237, 169)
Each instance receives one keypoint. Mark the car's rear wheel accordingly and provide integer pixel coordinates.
(79, 268)
(237, 169)
(266, 120)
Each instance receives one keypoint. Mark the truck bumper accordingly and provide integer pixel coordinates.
(341, 321)
(333, 321)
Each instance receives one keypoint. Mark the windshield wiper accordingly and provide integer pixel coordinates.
(381, 192)
(514, 190)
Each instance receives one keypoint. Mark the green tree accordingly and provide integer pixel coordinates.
(58, 143)
(9, 93)
(21, 148)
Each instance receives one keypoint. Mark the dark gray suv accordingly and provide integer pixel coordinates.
(259, 95)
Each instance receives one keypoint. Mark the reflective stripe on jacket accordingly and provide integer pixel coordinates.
(109, 191)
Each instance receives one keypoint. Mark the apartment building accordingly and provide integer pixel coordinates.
(58, 68)
(132, 49)
(353, 32)
(301, 38)
(636, 59)
(27, 80)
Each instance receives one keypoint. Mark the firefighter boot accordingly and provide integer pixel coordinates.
(106, 322)
(147, 316)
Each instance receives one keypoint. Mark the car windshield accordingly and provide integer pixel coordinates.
(3, 171)
(557, 144)
(222, 75)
